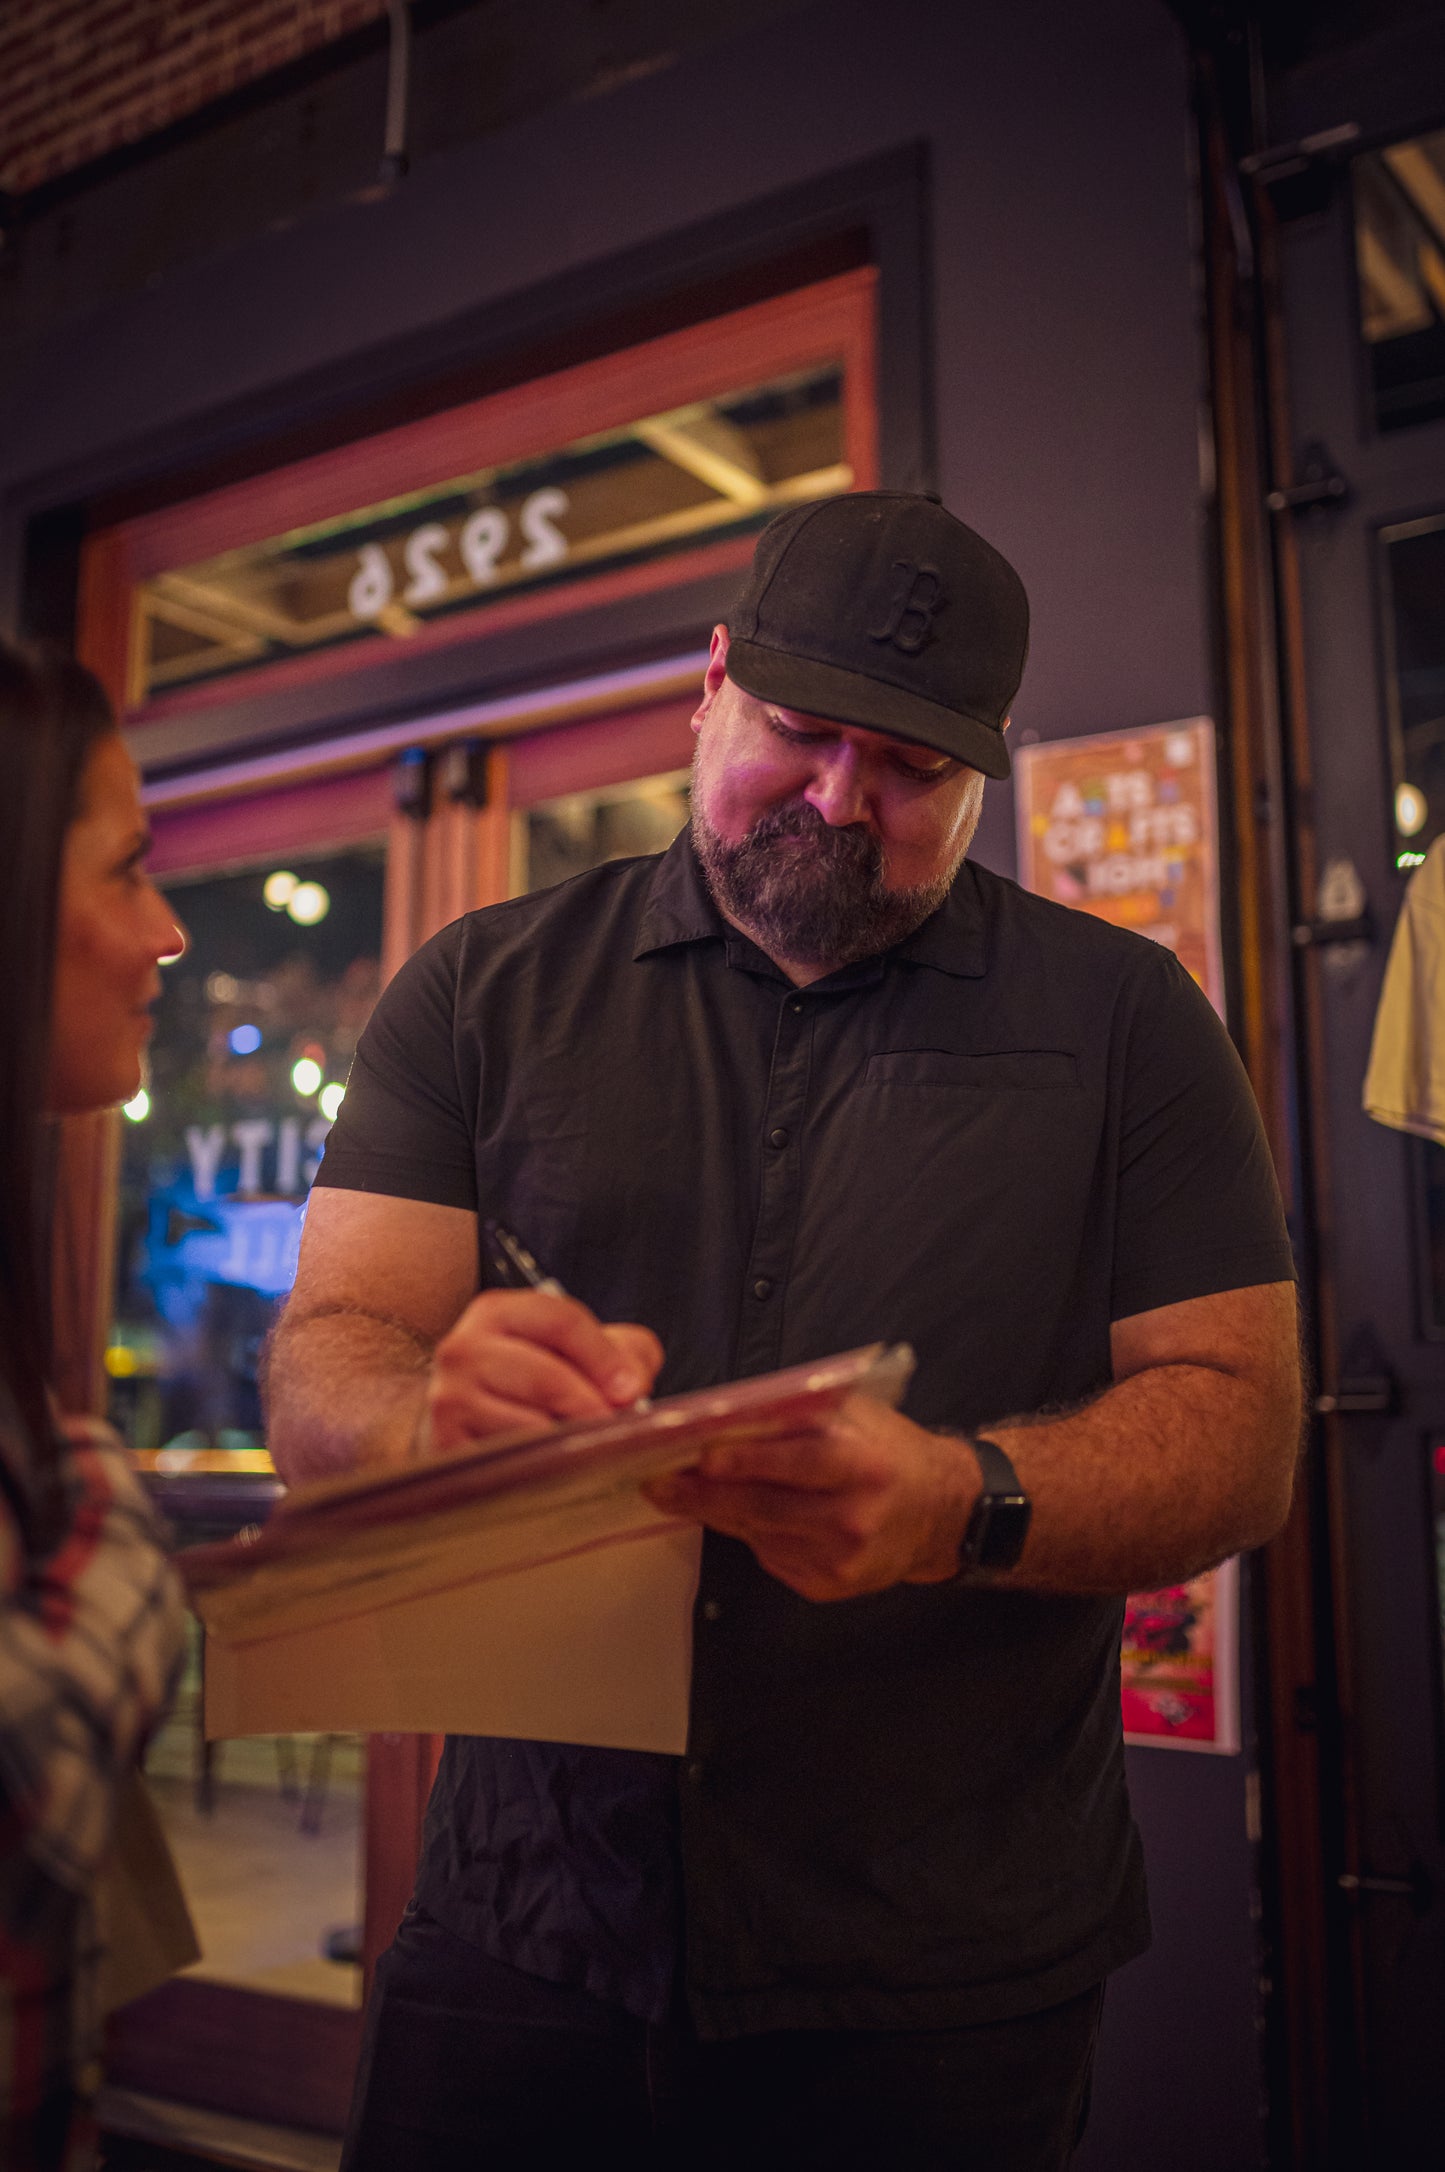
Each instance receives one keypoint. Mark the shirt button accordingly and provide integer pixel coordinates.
(711, 1610)
(762, 1288)
(796, 1004)
(779, 1137)
(694, 1770)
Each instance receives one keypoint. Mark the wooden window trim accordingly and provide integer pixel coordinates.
(318, 813)
(589, 700)
(833, 319)
(600, 751)
(510, 614)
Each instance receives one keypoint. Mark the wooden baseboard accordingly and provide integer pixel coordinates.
(218, 2048)
(218, 2137)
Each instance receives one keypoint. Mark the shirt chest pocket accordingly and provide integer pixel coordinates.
(925, 1116)
(944, 1075)
(965, 1180)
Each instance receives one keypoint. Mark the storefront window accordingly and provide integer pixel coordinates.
(709, 469)
(253, 1041)
(1413, 568)
(1413, 589)
(565, 836)
(254, 1038)
(1400, 255)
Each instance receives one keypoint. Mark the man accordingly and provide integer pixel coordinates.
(810, 1079)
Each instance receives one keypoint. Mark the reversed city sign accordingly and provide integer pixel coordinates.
(382, 571)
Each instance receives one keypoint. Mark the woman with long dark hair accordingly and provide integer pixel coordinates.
(90, 1611)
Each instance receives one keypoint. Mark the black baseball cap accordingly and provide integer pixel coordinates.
(881, 609)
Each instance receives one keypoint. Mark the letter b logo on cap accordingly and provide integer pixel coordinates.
(917, 600)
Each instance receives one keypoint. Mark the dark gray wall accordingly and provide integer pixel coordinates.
(1067, 364)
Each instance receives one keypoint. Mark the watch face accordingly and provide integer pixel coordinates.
(1005, 1527)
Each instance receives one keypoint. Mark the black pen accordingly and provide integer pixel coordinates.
(517, 1270)
(514, 1265)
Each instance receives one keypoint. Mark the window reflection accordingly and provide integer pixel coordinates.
(253, 1041)
(1413, 567)
(664, 482)
(254, 1038)
(565, 836)
(1400, 253)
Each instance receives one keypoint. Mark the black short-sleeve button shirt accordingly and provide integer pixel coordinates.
(1014, 1128)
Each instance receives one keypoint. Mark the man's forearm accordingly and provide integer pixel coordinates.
(343, 1389)
(1189, 1457)
(1166, 1473)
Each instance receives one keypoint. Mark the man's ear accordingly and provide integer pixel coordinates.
(1006, 723)
(713, 677)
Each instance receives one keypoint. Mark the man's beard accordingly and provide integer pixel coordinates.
(809, 892)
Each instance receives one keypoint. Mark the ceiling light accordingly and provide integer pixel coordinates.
(1412, 810)
(308, 903)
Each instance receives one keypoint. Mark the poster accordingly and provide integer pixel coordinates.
(1124, 825)
(1180, 1663)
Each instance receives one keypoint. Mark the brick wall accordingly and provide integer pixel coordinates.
(79, 78)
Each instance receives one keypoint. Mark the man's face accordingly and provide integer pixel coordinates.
(824, 841)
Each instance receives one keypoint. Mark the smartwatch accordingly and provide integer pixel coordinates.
(999, 1523)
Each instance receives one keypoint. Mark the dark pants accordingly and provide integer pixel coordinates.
(470, 2066)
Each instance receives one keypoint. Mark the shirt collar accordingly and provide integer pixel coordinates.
(953, 940)
(680, 909)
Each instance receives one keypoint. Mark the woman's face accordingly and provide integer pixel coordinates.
(114, 929)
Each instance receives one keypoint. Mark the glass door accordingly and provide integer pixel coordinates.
(254, 1038)
(1364, 321)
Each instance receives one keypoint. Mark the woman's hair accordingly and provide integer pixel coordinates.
(52, 713)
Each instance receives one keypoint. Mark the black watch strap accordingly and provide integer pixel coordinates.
(999, 1523)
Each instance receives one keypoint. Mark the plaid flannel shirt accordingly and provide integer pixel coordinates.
(90, 1638)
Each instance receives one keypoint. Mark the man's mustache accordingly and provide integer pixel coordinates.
(852, 845)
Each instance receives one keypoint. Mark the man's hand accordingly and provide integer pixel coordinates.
(1188, 1457)
(385, 1352)
(864, 1500)
(519, 1361)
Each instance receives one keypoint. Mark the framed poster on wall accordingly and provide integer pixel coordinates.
(1124, 825)
(1180, 1663)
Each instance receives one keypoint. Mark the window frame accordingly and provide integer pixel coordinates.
(830, 320)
